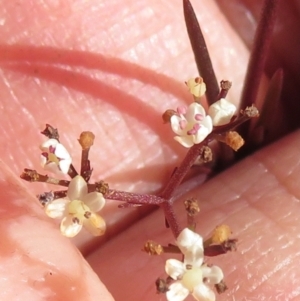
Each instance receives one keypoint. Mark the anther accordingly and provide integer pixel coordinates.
(181, 110)
(199, 117)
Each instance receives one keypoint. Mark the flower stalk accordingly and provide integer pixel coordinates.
(202, 57)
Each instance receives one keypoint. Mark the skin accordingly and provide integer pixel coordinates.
(113, 69)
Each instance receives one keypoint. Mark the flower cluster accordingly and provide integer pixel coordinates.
(76, 207)
(192, 275)
(192, 125)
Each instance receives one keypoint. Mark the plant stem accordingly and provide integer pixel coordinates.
(85, 170)
(181, 171)
(171, 217)
(132, 198)
(201, 53)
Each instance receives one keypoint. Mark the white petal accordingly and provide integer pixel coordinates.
(43, 161)
(94, 200)
(175, 125)
(95, 224)
(69, 228)
(194, 257)
(207, 122)
(177, 292)
(61, 152)
(52, 167)
(221, 111)
(187, 239)
(175, 268)
(201, 135)
(191, 245)
(64, 165)
(186, 141)
(203, 293)
(77, 188)
(213, 274)
(48, 143)
(193, 109)
(57, 208)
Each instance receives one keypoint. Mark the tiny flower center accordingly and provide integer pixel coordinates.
(192, 278)
(194, 130)
(78, 209)
(52, 158)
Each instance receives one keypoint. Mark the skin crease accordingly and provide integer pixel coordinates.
(63, 66)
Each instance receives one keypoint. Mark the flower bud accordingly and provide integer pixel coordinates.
(221, 112)
(234, 140)
(86, 139)
(196, 86)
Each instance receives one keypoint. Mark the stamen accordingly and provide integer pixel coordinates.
(182, 124)
(194, 130)
(197, 127)
(75, 220)
(87, 214)
(191, 132)
(198, 117)
(45, 155)
(198, 80)
(51, 149)
(181, 110)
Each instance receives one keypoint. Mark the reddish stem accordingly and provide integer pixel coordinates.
(171, 217)
(134, 198)
(181, 171)
(201, 53)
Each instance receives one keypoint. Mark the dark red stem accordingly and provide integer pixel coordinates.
(134, 198)
(201, 53)
(171, 218)
(181, 171)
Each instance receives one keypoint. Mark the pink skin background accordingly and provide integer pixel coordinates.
(113, 67)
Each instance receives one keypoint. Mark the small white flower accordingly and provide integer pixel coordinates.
(221, 112)
(191, 124)
(196, 86)
(191, 273)
(78, 209)
(55, 157)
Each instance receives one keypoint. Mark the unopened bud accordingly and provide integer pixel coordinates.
(225, 84)
(196, 86)
(250, 112)
(46, 198)
(220, 234)
(234, 140)
(221, 287)
(102, 187)
(86, 139)
(50, 132)
(205, 154)
(161, 286)
(153, 248)
(191, 207)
